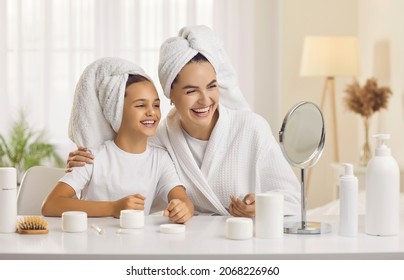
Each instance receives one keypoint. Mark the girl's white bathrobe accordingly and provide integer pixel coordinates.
(241, 157)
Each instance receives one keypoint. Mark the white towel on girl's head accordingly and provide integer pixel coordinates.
(98, 101)
(177, 51)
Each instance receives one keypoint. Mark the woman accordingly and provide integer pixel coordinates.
(223, 152)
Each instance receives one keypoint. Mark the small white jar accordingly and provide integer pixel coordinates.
(132, 219)
(239, 228)
(74, 221)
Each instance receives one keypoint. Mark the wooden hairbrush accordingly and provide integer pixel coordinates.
(32, 225)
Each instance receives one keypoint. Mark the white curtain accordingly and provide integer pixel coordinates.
(45, 45)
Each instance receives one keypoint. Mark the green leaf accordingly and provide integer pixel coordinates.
(26, 147)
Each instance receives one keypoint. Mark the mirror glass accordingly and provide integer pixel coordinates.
(302, 138)
(302, 135)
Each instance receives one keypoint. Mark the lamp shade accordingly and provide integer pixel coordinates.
(330, 56)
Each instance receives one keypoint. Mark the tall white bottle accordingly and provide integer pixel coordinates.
(348, 208)
(8, 199)
(382, 191)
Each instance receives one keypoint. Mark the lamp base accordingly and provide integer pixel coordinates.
(307, 228)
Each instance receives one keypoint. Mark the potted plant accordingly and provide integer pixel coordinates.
(26, 147)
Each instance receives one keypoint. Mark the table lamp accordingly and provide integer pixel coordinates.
(330, 56)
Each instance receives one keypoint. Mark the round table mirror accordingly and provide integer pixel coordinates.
(302, 138)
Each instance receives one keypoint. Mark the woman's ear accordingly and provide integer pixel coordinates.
(171, 102)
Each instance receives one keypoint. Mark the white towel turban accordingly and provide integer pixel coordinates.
(176, 52)
(98, 101)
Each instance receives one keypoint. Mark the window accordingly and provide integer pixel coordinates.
(49, 43)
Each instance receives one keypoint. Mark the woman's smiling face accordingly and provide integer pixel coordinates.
(195, 94)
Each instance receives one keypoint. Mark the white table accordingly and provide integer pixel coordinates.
(203, 239)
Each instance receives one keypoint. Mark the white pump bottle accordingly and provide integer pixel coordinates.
(348, 208)
(382, 191)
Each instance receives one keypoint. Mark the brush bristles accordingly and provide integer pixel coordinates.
(32, 223)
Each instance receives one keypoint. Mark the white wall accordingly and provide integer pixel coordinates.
(266, 60)
(298, 19)
(379, 27)
(382, 43)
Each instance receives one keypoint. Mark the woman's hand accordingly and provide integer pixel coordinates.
(179, 211)
(78, 158)
(243, 208)
(134, 202)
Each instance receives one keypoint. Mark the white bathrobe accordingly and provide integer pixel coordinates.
(242, 156)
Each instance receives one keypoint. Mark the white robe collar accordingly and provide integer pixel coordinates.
(184, 157)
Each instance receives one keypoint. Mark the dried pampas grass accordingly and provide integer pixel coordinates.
(367, 99)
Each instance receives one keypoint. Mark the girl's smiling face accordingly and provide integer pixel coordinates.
(141, 112)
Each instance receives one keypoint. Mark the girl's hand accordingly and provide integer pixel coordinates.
(134, 202)
(178, 211)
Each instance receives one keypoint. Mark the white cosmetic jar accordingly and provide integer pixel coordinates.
(269, 215)
(172, 228)
(239, 228)
(74, 221)
(131, 219)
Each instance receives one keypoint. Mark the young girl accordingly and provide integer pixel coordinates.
(127, 172)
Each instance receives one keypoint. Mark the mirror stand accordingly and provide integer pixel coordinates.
(304, 227)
